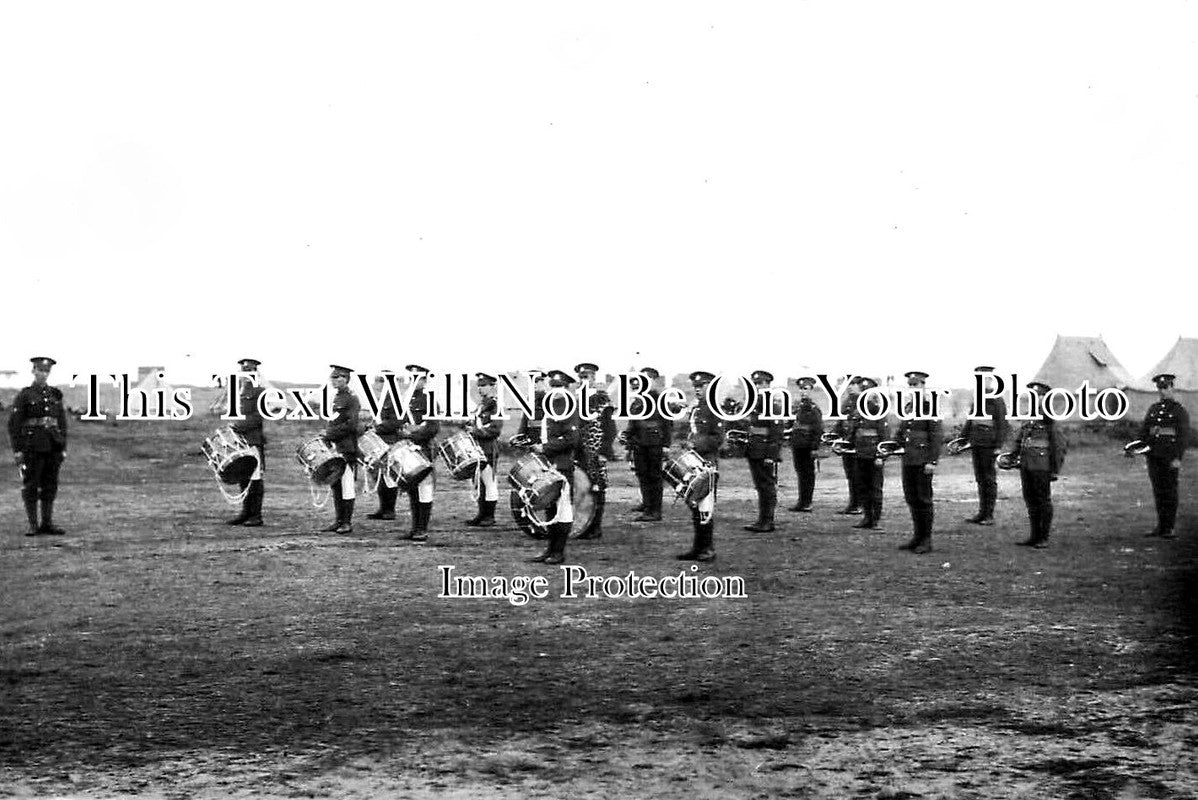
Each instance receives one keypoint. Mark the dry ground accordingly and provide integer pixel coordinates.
(156, 652)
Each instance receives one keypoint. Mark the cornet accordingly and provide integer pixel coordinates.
(1136, 447)
(843, 447)
(1008, 460)
(957, 446)
(889, 447)
(520, 440)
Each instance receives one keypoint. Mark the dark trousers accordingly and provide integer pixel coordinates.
(870, 480)
(646, 460)
(804, 458)
(986, 475)
(917, 491)
(252, 505)
(850, 474)
(1037, 494)
(765, 481)
(1164, 493)
(40, 480)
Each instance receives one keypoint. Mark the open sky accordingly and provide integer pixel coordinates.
(872, 186)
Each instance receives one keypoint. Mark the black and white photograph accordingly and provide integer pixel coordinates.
(655, 400)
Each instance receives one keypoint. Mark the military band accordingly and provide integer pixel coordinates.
(920, 441)
(868, 469)
(1040, 449)
(705, 436)
(486, 428)
(558, 443)
(598, 432)
(418, 427)
(251, 429)
(843, 429)
(1165, 430)
(37, 431)
(387, 427)
(342, 433)
(804, 436)
(646, 440)
(763, 449)
(983, 436)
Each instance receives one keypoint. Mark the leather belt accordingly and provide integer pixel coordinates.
(1163, 431)
(41, 422)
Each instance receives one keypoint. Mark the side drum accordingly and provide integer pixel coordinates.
(321, 461)
(231, 458)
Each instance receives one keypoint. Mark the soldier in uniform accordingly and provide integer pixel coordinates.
(387, 427)
(844, 430)
(984, 436)
(558, 442)
(1166, 428)
(920, 439)
(869, 468)
(421, 431)
(595, 450)
(763, 451)
(1041, 450)
(342, 433)
(804, 435)
(486, 428)
(705, 436)
(646, 440)
(251, 429)
(37, 430)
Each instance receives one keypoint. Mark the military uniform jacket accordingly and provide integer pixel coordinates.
(655, 431)
(706, 434)
(600, 402)
(251, 427)
(486, 428)
(921, 441)
(991, 431)
(808, 425)
(38, 422)
(388, 425)
(531, 426)
(561, 439)
(342, 430)
(1041, 446)
(844, 426)
(1166, 428)
(867, 433)
(422, 431)
(765, 435)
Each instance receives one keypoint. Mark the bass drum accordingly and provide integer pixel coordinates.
(584, 509)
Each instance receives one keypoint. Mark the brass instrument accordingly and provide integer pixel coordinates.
(521, 440)
(843, 447)
(890, 447)
(1008, 460)
(1136, 447)
(957, 446)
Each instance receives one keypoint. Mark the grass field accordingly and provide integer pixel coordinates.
(157, 652)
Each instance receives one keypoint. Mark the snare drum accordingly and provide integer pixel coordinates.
(231, 457)
(406, 465)
(535, 480)
(462, 455)
(372, 451)
(321, 461)
(690, 476)
(535, 525)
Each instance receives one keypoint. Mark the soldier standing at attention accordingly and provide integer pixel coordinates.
(595, 450)
(805, 433)
(530, 426)
(1166, 427)
(844, 430)
(559, 440)
(869, 467)
(342, 434)
(647, 439)
(421, 431)
(251, 429)
(1041, 450)
(485, 429)
(705, 437)
(920, 439)
(763, 450)
(387, 428)
(984, 436)
(37, 430)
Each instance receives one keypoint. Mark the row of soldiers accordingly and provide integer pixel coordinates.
(38, 432)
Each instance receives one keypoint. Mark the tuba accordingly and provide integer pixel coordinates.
(1136, 447)
(957, 446)
(1008, 460)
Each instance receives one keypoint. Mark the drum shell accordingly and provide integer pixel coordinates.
(536, 479)
(406, 464)
(462, 455)
(689, 475)
(231, 457)
(372, 450)
(323, 463)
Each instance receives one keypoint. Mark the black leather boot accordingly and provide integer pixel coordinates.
(347, 517)
(594, 528)
(47, 526)
(257, 492)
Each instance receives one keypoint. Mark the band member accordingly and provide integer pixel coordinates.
(485, 429)
(342, 433)
(984, 436)
(1166, 427)
(844, 430)
(705, 436)
(421, 431)
(387, 427)
(598, 435)
(920, 439)
(646, 440)
(763, 450)
(37, 430)
(1041, 450)
(530, 426)
(804, 436)
(251, 429)
(869, 468)
(559, 440)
